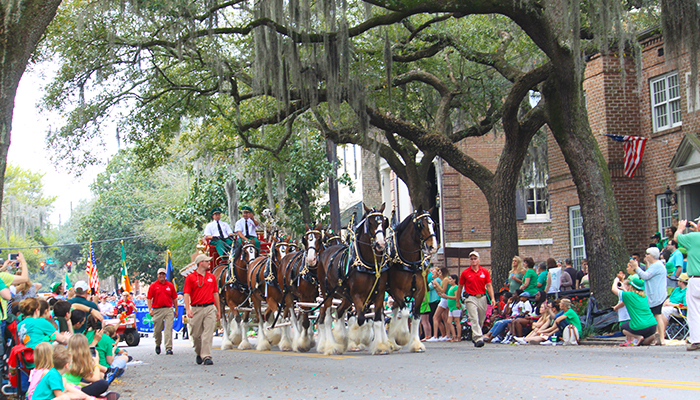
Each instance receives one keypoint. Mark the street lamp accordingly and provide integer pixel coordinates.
(670, 197)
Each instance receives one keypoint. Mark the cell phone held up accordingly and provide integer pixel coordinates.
(13, 256)
(93, 352)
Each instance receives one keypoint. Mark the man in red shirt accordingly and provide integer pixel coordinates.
(125, 304)
(161, 299)
(476, 282)
(203, 308)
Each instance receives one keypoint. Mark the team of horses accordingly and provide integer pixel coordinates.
(342, 283)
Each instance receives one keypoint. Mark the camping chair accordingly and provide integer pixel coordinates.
(677, 328)
(20, 362)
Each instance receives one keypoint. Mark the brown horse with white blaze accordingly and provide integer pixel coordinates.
(233, 284)
(300, 276)
(266, 282)
(357, 274)
(414, 240)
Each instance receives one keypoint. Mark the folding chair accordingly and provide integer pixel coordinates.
(677, 328)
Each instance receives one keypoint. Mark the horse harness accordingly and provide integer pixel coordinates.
(232, 279)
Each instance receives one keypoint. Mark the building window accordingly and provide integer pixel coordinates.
(663, 214)
(578, 244)
(536, 200)
(666, 102)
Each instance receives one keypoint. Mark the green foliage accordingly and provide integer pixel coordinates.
(26, 186)
(206, 193)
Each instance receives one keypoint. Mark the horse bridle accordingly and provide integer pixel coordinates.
(379, 219)
(418, 224)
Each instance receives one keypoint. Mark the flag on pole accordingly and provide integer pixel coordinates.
(634, 150)
(126, 286)
(169, 272)
(94, 280)
(67, 284)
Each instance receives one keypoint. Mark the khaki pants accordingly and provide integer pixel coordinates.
(163, 316)
(476, 308)
(202, 322)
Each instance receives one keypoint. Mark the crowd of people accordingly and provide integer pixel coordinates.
(536, 304)
(64, 338)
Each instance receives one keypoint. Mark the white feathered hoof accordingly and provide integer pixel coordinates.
(263, 344)
(245, 345)
(380, 348)
(416, 347)
(302, 344)
(394, 346)
(236, 335)
(226, 343)
(398, 331)
(274, 336)
(285, 344)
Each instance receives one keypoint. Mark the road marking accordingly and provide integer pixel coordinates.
(289, 353)
(629, 381)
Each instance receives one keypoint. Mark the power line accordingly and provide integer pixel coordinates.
(72, 244)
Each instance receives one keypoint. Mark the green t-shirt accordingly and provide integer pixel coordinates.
(72, 379)
(105, 347)
(532, 286)
(514, 285)
(542, 280)
(638, 308)
(691, 241)
(50, 382)
(677, 296)
(452, 303)
(573, 319)
(32, 331)
(6, 280)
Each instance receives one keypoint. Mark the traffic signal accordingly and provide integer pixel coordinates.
(42, 265)
(69, 265)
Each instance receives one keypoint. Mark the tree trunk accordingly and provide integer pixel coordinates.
(305, 201)
(232, 197)
(568, 120)
(23, 24)
(334, 201)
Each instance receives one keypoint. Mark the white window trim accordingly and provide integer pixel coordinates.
(660, 199)
(536, 218)
(571, 232)
(668, 102)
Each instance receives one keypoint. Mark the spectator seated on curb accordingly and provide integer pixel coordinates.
(495, 334)
(521, 324)
(111, 365)
(540, 327)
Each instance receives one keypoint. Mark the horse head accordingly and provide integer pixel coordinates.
(250, 251)
(376, 225)
(281, 248)
(313, 243)
(425, 228)
(330, 238)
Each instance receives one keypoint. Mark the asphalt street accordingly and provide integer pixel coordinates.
(444, 371)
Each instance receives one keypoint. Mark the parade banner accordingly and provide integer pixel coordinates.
(144, 322)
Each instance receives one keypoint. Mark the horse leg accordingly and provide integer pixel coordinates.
(380, 344)
(415, 345)
(321, 328)
(332, 347)
(225, 341)
(285, 343)
(245, 344)
(263, 343)
(235, 328)
(340, 331)
(398, 328)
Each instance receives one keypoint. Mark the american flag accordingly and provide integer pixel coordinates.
(634, 149)
(94, 280)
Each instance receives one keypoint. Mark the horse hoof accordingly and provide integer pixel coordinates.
(245, 345)
(227, 346)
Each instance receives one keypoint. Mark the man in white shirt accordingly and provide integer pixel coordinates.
(219, 234)
(246, 226)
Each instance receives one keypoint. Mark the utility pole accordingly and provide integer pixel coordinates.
(332, 157)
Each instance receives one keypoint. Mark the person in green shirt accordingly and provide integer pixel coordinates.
(454, 313)
(530, 278)
(676, 300)
(35, 328)
(691, 242)
(641, 328)
(104, 345)
(542, 277)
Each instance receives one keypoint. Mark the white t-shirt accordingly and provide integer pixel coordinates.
(555, 274)
(240, 226)
(522, 307)
(106, 308)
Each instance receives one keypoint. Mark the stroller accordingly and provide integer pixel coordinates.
(18, 362)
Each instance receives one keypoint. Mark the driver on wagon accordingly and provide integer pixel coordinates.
(246, 226)
(219, 234)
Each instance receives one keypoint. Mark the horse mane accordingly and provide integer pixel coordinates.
(404, 224)
(237, 254)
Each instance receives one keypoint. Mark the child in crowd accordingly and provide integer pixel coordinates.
(455, 313)
(110, 364)
(538, 335)
(85, 371)
(55, 362)
(35, 327)
(61, 312)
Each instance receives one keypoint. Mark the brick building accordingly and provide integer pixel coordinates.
(654, 105)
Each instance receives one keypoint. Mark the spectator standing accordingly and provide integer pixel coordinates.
(573, 273)
(106, 308)
(475, 281)
(582, 276)
(691, 241)
(433, 297)
(162, 298)
(441, 285)
(202, 307)
(515, 278)
(553, 276)
(81, 294)
(674, 266)
(654, 286)
(530, 278)
(542, 276)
